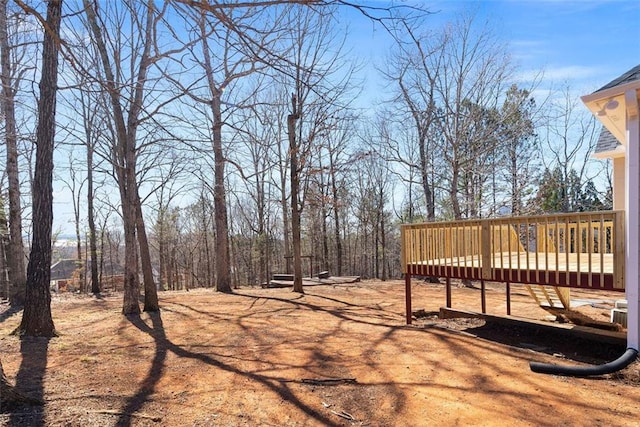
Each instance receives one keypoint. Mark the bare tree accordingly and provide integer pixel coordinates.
(569, 137)
(321, 79)
(10, 82)
(74, 184)
(36, 318)
(296, 208)
(473, 76)
(91, 112)
(414, 68)
(125, 149)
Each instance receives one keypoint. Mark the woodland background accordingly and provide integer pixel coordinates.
(204, 143)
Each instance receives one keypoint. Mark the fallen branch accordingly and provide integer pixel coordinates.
(328, 381)
(345, 415)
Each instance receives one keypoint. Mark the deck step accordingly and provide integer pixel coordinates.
(551, 296)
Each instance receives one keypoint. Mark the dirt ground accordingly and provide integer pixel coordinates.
(339, 355)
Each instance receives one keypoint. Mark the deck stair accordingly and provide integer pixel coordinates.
(550, 296)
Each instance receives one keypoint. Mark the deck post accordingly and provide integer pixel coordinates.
(486, 254)
(483, 297)
(407, 292)
(448, 289)
(508, 286)
(632, 220)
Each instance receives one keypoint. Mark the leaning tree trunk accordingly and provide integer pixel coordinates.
(36, 318)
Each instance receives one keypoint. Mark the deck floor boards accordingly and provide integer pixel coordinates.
(572, 262)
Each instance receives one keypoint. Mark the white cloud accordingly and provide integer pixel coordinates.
(570, 72)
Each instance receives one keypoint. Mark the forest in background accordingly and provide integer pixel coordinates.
(204, 145)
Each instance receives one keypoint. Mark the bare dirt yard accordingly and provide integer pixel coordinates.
(339, 355)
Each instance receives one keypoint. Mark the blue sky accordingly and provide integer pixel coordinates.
(584, 43)
(587, 42)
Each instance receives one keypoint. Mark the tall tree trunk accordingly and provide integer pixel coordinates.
(453, 188)
(295, 189)
(36, 318)
(131, 295)
(286, 225)
(125, 151)
(79, 263)
(4, 244)
(207, 249)
(15, 252)
(424, 174)
(336, 217)
(162, 248)
(323, 217)
(93, 244)
(150, 290)
(223, 269)
(383, 237)
(222, 265)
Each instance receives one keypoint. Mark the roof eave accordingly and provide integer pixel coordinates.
(610, 154)
(614, 119)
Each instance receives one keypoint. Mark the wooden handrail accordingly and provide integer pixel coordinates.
(585, 242)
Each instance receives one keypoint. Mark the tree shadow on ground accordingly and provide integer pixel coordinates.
(30, 380)
(9, 312)
(164, 345)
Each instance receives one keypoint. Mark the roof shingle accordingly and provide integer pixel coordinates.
(606, 141)
(631, 75)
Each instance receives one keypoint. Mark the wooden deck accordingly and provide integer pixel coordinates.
(578, 250)
(570, 269)
(584, 250)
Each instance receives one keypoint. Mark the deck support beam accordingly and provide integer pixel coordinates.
(483, 297)
(448, 288)
(508, 288)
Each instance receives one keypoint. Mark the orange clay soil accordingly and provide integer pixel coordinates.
(337, 355)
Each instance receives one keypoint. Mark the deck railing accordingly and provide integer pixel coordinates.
(578, 248)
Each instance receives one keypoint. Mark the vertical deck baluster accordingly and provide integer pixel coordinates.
(546, 249)
(590, 251)
(537, 251)
(510, 250)
(556, 243)
(579, 251)
(528, 249)
(450, 242)
(567, 246)
(466, 250)
(601, 249)
(519, 228)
